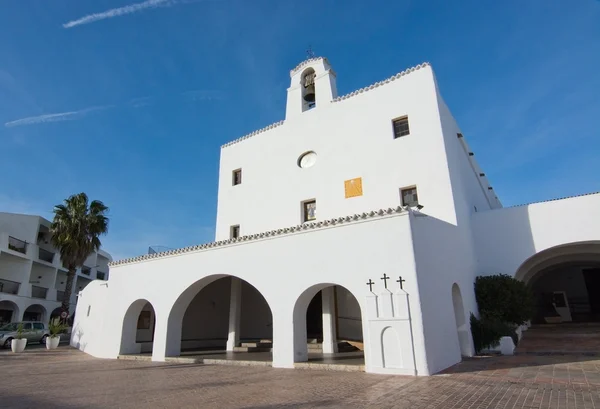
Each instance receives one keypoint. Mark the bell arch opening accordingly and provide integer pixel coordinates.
(219, 315)
(328, 324)
(309, 96)
(137, 335)
(565, 282)
(9, 312)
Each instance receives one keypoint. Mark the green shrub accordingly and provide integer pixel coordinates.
(20, 331)
(56, 327)
(501, 298)
(487, 332)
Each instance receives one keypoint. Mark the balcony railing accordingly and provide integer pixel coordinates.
(46, 255)
(9, 287)
(60, 295)
(38, 292)
(17, 245)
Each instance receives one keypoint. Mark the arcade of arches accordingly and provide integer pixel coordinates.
(10, 312)
(229, 318)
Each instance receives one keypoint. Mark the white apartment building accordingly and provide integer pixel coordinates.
(32, 275)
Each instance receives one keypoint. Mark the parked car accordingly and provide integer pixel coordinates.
(34, 331)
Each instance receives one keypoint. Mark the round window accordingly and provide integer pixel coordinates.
(307, 159)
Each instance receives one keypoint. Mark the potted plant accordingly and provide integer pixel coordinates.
(55, 327)
(19, 342)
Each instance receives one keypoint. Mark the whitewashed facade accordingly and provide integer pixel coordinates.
(364, 152)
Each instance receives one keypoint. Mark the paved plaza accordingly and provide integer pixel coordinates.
(67, 378)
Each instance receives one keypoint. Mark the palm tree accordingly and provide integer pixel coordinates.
(75, 230)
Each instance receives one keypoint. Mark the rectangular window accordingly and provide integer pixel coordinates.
(234, 231)
(309, 210)
(401, 127)
(409, 196)
(237, 177)
(100, 275)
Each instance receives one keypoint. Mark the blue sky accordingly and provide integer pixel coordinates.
(130, 100)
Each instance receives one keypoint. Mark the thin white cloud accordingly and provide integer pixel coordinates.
(61, 116)
(121, 11)
(201, 94)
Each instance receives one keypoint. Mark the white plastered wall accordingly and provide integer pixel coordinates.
(281, 268)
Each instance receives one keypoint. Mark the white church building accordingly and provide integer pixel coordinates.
(359, 222)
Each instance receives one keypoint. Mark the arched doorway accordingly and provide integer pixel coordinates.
(55, 313)
(35, 312)
(461, 322)
(137, 335)
(565, 281)
(220, 314)
(9, 312)
(327, 323)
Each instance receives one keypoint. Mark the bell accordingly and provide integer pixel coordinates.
(309, 94)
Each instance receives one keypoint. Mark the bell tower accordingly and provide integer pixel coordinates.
(312, 87)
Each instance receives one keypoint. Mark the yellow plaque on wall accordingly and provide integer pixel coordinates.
(353, 187)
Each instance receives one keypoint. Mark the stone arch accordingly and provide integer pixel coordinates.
(565, 281)
(300, 318)
(462, 328)
(35, 312)
(9, 312)
(564, 253)
(391, 353)
(130, 331)
(180, 307)
(55, 313)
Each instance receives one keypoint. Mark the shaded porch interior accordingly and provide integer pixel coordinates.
(229, 320)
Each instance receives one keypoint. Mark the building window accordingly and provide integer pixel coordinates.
(401, 127)
(409, 197)
(237, 177)
(309, 210)
(100, 275)
(234, 231)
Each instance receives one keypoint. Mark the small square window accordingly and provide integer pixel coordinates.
(401, 127)
(409, 197)
(234, 231)
(100, 275)
(237, 177)
(309, 210)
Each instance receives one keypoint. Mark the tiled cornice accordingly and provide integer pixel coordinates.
(380, 83)
(266, 128)
(307, 62)
(553, 200)
(258, 236)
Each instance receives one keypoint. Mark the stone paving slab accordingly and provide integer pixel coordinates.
(66, 378)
